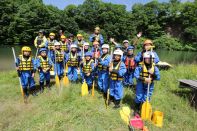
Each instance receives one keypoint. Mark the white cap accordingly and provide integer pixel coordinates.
(148, 54)
(118, 52)
(56, 43)
(86, 43)
(73, 46)
(125, 41)
(105, 46)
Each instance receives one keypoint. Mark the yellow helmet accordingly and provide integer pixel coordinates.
(26, 48)
(52, 34)
(148, 41)
(79, 35)
(97, 28)
(63, 36)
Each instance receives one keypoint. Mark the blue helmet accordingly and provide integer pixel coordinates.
(118, 46)
(130, 48)
(88, 54)
(42, 49)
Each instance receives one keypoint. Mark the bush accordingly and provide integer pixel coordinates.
(168, 42)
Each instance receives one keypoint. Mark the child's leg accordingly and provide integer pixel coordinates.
(100, 81)
(70, 73)
(112, 88)
(47, 77)
(139, 92)
(130, 79)
(24, 82)
(126, 79)
(42, 77)
(105, 83)
(75, 74)
(32, 84)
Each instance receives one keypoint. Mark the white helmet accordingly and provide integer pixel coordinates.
(105, 46)
(148, 54)
(86, 44)
(73, 46)
(56, 43)
(118, 52)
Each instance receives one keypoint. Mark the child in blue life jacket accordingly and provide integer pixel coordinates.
(44, 64)
(59, 57)
(145, 74)
(103, 69)
(73, 63)
(87, 67)
(26, 67)
(117, 70)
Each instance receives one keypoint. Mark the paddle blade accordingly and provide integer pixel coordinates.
(84, 89)
(57, 81)
(93, 88)
(146, 111)
(22, 92)
(125, 114)
(65, 81)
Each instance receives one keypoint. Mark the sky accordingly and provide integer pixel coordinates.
(61, 4)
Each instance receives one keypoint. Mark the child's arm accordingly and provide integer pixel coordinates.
(137, 71)
(106, 61)
(122, 70)
(156, 75)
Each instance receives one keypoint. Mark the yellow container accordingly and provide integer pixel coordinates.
(157, 118)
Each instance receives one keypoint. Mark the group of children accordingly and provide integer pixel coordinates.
(112, 69)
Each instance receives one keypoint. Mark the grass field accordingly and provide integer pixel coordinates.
(69, 111)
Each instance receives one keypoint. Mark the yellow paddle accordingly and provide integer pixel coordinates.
(84, 87)
(57, 81)
(65, 79)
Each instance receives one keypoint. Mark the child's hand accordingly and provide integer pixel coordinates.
(148, 80)
(17, 68)
(151, 71)
(88, 74)
(95, 65)
(32, 75)
(110, 69)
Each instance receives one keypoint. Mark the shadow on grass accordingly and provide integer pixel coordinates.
(190, 95)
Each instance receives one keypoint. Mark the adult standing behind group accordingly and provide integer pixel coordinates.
(97, 36)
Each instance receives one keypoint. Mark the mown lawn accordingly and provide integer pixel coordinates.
(69, 111)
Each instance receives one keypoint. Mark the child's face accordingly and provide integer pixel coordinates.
(87, 57)
(126, 44)
(40, 34)
(51, 37)
(105, 50)
(96, 31)
(117, 57)
(147, 46)
(86, 47)
(57, 47)
(26, 53)
(130, 52)
(73, 49)
(147, 60)
(79, 38)
(95, 46)
(43, 54)
(62, 39)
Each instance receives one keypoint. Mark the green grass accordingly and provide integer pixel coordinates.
(69, 111)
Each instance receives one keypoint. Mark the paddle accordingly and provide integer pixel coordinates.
(57, 81)
(84, 87)
(65, 79)
(21, 88)
(111, 65)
